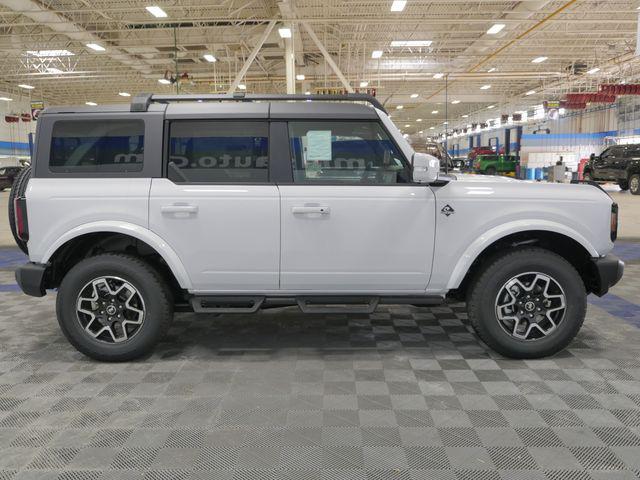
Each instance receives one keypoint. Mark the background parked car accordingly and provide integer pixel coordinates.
(495, 164)
(475, 151)
(619, 164)
(7, 176)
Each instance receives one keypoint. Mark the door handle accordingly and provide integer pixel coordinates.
(321, 209)
(179, 208)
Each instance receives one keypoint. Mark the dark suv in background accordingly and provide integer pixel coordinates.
(7, 176)
(619, 164)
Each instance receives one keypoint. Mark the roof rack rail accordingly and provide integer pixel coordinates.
(141, 102)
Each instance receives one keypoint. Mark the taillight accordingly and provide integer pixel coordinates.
(22, 225)
(614, 222)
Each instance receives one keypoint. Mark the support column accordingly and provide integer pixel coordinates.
(252, 56)
(290, 63)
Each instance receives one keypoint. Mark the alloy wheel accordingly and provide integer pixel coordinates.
(530, 306)
(110, 309)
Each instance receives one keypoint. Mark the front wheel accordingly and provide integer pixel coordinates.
(113, 307)
(624, 185)
(634, 184)
(527, 303)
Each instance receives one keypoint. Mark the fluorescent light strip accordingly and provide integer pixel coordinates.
(300, 77)
(50, 53)
(284, 32)
(96, 47)
(364, 84)
(124, 94)
(156, 11)
(54, 70)
(539, 59)
(398, 5)
(411, 43)
(376, 54)
(164, 81)
(6, 99)
(26, 87)
(497, 28)
(91, 104)
(209, 58)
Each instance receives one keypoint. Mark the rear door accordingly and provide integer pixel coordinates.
(352, 221)
(605, 165)
(216, 206)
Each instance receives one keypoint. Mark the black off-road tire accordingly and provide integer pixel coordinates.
(152, 288)
(624, 185)
(483, 292)
(634, 184)
(17, 190)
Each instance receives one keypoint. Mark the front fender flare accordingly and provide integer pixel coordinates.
(519, 226)
(132, 230)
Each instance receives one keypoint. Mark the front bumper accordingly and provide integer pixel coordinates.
(30, 278)
(608, 271)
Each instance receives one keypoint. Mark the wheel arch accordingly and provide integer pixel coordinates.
(109, 236)
(554, 237)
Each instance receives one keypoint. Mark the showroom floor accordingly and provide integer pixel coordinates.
(405, 393)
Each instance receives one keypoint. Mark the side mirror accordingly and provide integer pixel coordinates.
(593, 157)
(425, 168)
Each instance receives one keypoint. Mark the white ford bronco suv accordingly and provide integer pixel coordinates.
(226, 204)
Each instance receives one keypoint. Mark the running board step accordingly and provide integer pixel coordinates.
(338, 304)
(226, 304)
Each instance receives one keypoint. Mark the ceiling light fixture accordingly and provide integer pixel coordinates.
(485, 87)
(124, 94)
(435, 112)
(593, 70)
(376, 54)
(414, 95)
(96, 47)
(6, 99)
(364, 84)
(398, 5)
(491, 70)
(26, 87)
(465, 116)
(455, 102)
(209, 58)
(284, 32)
(50, 53)
(91, 104)
(164, 81)
(399, 107)
(530, 92)
(438, 75)
(300, 77)
(411, 43)
(539, 59)
(54, 70)
(491, 107)
(418, 119)
(242, 86)
(497, 28)
(156, 11)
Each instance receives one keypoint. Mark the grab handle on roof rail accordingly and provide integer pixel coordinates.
(141, 102)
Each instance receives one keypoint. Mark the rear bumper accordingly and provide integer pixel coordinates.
(30, 278)
(608, 271)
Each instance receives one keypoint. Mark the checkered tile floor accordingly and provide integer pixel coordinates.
(405, 393)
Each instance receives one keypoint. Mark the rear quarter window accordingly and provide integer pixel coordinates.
(97, 146)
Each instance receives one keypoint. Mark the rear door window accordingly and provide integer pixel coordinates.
(98, 146)
(215, 151)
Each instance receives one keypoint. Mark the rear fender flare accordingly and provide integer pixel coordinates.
(143, 234)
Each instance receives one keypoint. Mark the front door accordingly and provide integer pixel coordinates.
(216, 208)
(352, 221)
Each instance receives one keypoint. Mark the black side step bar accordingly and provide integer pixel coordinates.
(306, 303)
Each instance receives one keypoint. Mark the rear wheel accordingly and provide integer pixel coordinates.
(17, 190)
(114, 307)
(634, 184)
(623, 184)
(527, 303)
